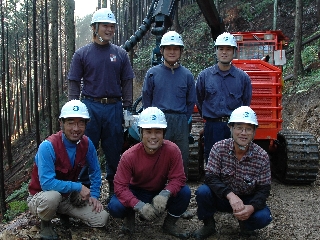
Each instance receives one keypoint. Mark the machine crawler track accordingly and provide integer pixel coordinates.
(296, 160)
(196, 159)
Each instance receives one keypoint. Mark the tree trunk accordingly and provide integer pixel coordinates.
(275, 14)
(176, 23)
(35, 71)
(318, 10)
(3, 64)
(297, 61)
(54, 64)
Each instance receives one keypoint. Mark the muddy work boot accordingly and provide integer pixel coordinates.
(187, 215)
(169, 226)
(111, 190)
(244, 232)
(47, 232)
(207, 230)
(129, 223)
(64, 219)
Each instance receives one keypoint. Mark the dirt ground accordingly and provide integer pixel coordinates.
(295, 209)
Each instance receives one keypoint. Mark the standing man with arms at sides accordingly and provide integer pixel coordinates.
(107, 77)
(150, 179)
(54, 188)
(237, 179)
(171, 88)
(220, 89)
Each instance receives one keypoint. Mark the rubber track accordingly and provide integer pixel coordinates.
(298, 157)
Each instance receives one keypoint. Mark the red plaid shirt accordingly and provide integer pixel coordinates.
(241, 177)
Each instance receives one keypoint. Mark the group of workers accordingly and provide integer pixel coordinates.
(149, 179)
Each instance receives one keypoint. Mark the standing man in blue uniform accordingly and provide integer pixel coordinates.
(171, 88)
(220, 89)
(107, 75)
(54, 187)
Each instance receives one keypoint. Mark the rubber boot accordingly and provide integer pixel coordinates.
(187, 215)
(207, 230)
(111, 190)
(244, 232)
(47, 232)
(64, 219)
(129, 223)
(169, 226)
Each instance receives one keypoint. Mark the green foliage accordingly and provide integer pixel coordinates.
(20, 193)
(15, 208)
(251, 10)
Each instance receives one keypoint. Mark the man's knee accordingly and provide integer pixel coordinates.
(202, 191)
(115, 208)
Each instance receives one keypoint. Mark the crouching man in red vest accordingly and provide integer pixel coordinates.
(54, 189)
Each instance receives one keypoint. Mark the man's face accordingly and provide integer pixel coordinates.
(225, 54)
(106, 32)
(171, 53)
(243, 133)
(152, 139)
(73, 128)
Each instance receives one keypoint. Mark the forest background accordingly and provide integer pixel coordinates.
(38, 39)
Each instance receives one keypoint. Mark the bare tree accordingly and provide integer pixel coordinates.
(318, 10)
(297, 61)
(35, 71)
(275, 11)
(54, 63)
(2, 192)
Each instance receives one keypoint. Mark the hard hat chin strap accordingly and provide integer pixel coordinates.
(97, 34)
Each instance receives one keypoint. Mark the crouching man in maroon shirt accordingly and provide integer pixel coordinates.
(150, 178)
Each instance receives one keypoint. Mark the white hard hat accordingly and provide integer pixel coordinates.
(74, 108)
(226, 39)
(152, 117)
(243, 114)
(171, 38)
(103, 15)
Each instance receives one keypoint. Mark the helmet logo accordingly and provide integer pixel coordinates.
(245, 114)
(226, 39)
(75, 108)
(153, 117)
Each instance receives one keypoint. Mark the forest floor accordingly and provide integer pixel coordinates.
(295, 208)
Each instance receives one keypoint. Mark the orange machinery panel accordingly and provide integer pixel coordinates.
(266, 95)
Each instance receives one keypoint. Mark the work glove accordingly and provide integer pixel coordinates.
(159, 202)
(75, 200)
(146, 211)
(127, 116)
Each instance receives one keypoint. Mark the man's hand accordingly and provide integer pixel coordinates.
(245, 213)
(146, 210)
(96, 204)
(235, 202)
(159, 202)
(75, 200)
(85, 193)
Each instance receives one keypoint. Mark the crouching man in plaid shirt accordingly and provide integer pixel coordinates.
(237, 179)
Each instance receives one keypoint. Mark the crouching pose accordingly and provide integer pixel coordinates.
(237, 180)
(150, 178)
(54, 188)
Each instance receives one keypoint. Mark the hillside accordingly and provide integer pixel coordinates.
(293, 207)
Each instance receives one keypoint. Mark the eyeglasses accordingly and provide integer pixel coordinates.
(248, 130)
(80, 124)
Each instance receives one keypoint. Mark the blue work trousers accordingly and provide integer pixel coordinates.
(214, 132)
(208, 204)
(105, 127)
(178, 132)
(176, 205)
